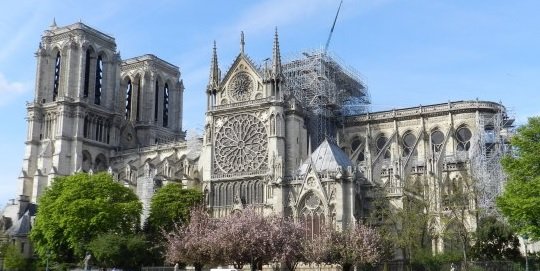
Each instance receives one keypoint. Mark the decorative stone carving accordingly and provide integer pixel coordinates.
(241, 145)
(241, 86)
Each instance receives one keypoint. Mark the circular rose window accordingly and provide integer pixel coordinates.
(241, 144)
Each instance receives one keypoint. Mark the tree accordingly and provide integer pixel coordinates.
(495, 241)
(195, 242)
(115, 250)
(520, 201)
(170, 206)
(359, 245)
(76, 209)
(14, 259)
(287, 241)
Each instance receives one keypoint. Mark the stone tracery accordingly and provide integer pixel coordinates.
(242, 145)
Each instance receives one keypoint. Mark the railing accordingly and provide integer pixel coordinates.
(436, 108)
(243, 104)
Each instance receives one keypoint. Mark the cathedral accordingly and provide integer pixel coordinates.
(293, 138)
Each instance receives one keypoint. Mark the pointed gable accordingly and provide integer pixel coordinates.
(326, 158)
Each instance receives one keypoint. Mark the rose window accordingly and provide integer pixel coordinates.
(241, 145)
(240, 87)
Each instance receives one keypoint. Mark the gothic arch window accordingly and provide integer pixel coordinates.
(56, 81)
(129, 90)
(437, 139)
(380, 144)
(138, 99)
(166, 105)
(156, 101)
(463, 137)
(454, 237)
(409, 140)
(99, 80)
(311, 214)
(88, 59)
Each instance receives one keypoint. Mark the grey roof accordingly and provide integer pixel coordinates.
(326, 158)
(21, 227)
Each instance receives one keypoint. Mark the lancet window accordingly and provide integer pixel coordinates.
(56, 75)
(166, 105)
(129, 90)
(99, 80)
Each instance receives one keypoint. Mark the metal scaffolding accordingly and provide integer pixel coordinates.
(327, 89)
(491, 144)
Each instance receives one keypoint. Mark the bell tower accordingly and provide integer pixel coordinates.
(71, 122)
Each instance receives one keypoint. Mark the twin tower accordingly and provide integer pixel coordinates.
(90, 104)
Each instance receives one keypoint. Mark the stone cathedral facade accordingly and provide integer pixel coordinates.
(269, 141)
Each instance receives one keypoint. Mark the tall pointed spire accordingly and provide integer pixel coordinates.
(276, 56)
(53, 25)
(213, 81)
(242, 43)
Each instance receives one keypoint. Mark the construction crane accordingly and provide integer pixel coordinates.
(332, 29)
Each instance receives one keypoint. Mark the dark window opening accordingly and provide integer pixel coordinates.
(138, 116)
(99, 81)
(87, 74)
(166, 106)
(156, 102)
(408, 143)
(463, 137)
(128, 100)
(56, 75)
(437, 139)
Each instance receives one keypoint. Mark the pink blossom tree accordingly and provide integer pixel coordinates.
(358, 245)
(287, 238)
(192, 243)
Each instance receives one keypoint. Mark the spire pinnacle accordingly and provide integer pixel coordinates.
(214, 79)
(242, 43)
(276, 56)
(53, 25)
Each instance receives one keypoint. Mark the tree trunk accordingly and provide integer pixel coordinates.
(198, 266)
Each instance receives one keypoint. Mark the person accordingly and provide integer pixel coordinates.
(452, 267)
(176, 267)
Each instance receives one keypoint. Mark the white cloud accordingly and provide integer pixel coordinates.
(11, 90)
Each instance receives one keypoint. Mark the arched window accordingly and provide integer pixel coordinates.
(409, 139)
(56, 75)
(137, 108)
(85, 127)
(87, 72)
(99, 80)
(437, 139)
(166, 105)
(156, 102)
(312, 214)
(463, 137)
(381, 142)
(128, 99)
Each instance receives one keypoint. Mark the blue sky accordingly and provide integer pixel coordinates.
(409, 52)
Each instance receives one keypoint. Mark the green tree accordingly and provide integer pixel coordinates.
(520, 201)
(116, 250)
(14, 259)
(495, 241)
(76, 209)
(170, 206)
